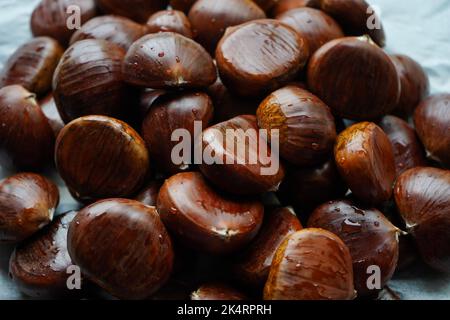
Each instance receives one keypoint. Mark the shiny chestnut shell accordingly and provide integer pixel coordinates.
(260, 56)
(205, 219)
(149, 194)
(122, 246)
(355, 78)
(422, 196)
(217, 292)
(50, 110)
(283, 6)
(168, 60)
(306, 126)
(100, 157)
(311, 264)
(370, 237)
(170, 21)
(32, 65)
(365, 159)
(137, 10)
(27, 204)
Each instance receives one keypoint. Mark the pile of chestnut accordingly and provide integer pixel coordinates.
(363, 183)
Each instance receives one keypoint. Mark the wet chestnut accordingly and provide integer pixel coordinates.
(260, 56)
(50, 110)
(182, 5)
(149, 195)
(170, 20)
(307, 130)
(365, 159)
(217, 292)
(27, 204)
(168, 60)
(138, 10)
(283, 6)
(205, 219)
(122, 246)
(311, 264)
(111, 159)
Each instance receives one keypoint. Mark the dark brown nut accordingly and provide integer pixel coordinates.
(253, 265)
(355, 78)
(40, 265)
(32, 65)
(25, 132)
(422, 196)
(168, 60)
(27, 204)
(283, 6)
(100, 157)
(218, 292)
(365, 160)
(51, 17)
(118, 30)
(170, 21)
(370, 237)
(138, 10)
(182, 5)
(50, 110)
(241, 162)
(311, 264)
(122, 246)
(211, 18)
(205, 219)
(260, 56)
(432, 120)
(170, 113)
(307, 130)
(149, 195)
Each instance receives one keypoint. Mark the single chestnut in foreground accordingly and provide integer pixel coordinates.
(170, 20)
(138, 10)
(217, 291)
(311, 264)
(100, 157)
(365, 160)
(283, 6)
(27, 204)
(203, 218)
(122, 246)
(422, 196)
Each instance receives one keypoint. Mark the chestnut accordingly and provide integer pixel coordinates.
(169, 113)
(314, 25)
(365, 159)
(210, 18)
(307, 130)
(27, 204)
(205, 219)
(122, 246)
(422, 196)
(50, 18)
(182, 5)
(253, 265)
(311, 264)
(355, 78)
(217, 292)
(168, 60)
(39, 265)
(149, 195)
(100, 157)
(432, 120)
(241, 162)
(138, 10)
(88, 80)
(371, 238)
(283, 6)
(32, 65)
(260, 56)
(25, 132)
(170, 20)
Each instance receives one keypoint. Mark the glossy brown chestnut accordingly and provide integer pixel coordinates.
(138, 10)
(408, 151)
(283, 6)
(170, 21)
(205, 219)
(260, 56)
(240, 163)
(370, 237)
(27, 204)
(217, 292)
(88, 80)
(422, 196)
(122, 246)
(169, 113)
(116, 29)
(39, 265)
(210, 18)
(355, 78)
(149, 195)
(182, 5)
(32, 65)
(307, 130)
(314, 25)
(100, 157)
(25, 132)
(311, 264)
(50, 18)
(432, 120)
(168, 60)
(365, 159)
(50, 110)
(253, 265)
